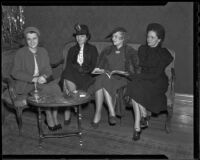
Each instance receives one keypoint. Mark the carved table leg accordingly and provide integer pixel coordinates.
(168, 119)
(19, 119)
(40, 126)
(79, 124)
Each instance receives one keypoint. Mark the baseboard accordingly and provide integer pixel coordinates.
(184, 98)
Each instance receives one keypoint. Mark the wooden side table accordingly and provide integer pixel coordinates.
(43, 102)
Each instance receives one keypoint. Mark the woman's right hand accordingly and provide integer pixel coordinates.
(35, 79)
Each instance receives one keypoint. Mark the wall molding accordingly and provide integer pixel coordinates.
(184, 98)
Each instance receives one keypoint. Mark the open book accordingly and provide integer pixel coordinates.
(109, 74)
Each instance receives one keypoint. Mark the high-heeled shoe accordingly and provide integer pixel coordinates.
(58, 126)
(112, 120)
(54, 128)
(67, 122)
(95, 125)
(136, 135)
(144, 122)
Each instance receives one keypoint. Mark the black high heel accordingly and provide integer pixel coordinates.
(67, 122)
(58, 126)
(144, 122)
(54, 128)
(95, 125)
(136, 135)
(112, 120)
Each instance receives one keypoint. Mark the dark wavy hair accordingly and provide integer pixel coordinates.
(158, 28)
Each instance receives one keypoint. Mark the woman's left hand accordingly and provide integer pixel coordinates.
(133, 76)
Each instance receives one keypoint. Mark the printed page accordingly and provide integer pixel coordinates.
(98, 71)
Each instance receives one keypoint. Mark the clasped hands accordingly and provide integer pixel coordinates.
(39, 79)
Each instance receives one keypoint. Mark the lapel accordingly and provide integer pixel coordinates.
(85, 51)
(31, 62)
(38, 59)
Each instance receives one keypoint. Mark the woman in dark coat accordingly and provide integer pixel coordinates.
(81, 60)
(118, 56)
(147, 89)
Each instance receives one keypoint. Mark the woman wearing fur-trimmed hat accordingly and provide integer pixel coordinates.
(118, 56)
(80, 62)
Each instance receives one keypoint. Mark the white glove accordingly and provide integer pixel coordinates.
(35, 79)
(41, 80)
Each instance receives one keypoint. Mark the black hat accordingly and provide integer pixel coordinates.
(81, 29)
(118, 29)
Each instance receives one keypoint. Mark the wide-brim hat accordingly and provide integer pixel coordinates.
(31, 29)
(81, 29)
(118, 29)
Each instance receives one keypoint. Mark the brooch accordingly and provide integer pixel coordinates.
(117, 52)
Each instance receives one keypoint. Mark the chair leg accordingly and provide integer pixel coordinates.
(168, 119)
(3, 111)
(19, 119)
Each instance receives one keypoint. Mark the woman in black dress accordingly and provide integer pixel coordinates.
(81, 60)
(147, 89)
(118, 56)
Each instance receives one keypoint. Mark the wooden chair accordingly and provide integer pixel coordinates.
(170, 94)
(9, 97)
(11, 100)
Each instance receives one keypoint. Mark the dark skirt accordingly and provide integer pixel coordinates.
(110, 84)
(149, 94)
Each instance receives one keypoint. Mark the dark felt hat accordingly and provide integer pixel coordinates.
(118, 29)
(81, 29)
(31, 29)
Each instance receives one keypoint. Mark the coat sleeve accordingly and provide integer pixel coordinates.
(102, 61)
(72, 59)
(70, 62)
(46, 70)
(165, 60)
(133, 61)
(17, 71)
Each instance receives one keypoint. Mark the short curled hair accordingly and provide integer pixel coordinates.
(158, 28)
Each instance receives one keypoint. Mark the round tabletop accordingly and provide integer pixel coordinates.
(48, 100)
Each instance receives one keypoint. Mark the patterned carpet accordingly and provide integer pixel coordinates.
(106, 140)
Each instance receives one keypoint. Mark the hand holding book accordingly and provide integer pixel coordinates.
(98, 71)
(108, 73)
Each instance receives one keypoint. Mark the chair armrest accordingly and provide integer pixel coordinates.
(11, 89)
(54, 65)
(173, 74)
(8, 81)
(4, 85)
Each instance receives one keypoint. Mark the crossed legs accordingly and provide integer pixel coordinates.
(139, 112)
(99, 98)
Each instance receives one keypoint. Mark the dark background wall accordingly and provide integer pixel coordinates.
(56, 26)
